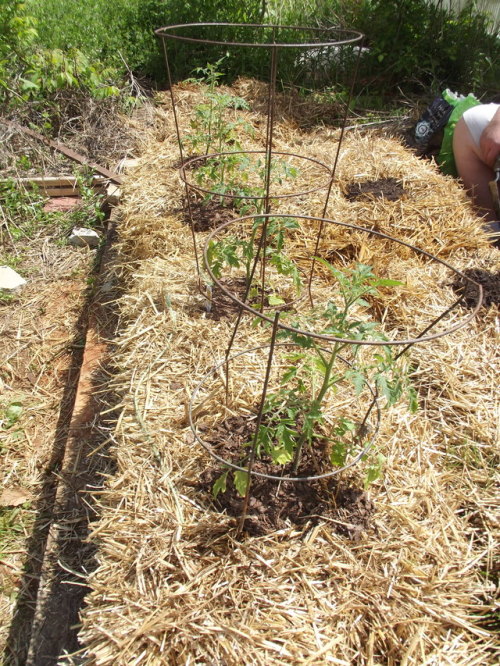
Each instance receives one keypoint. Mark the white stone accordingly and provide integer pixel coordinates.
(9, 279)
(82, 237)
(113, 194)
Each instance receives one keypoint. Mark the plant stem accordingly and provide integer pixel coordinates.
(316, 403)
(251, 242)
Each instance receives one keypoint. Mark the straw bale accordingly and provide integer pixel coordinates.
(173, 585)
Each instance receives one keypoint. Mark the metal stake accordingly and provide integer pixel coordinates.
(253, 452)
(181, 153)
(334, 169)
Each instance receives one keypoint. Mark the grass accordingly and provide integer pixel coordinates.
(11, 260)
(14, 522)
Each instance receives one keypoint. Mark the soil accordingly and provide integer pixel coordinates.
(207, 215)
(389, 189)
(274, 505)
(221, 306)
(488, 280)
(204, 214)
(178, 163)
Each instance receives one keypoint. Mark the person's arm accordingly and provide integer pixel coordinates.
(489, 144)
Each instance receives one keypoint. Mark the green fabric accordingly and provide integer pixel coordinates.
(445, 158)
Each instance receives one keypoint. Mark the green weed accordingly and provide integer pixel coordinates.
(22, 208)
(14, 524)
(24, 216)
(10, 415)
(89, 212)
(7, 297)
(11, 260)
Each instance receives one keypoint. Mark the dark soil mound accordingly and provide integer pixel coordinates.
(206, 215)
(488, 280)
(386, 188)
(220, 305)
(275, 505)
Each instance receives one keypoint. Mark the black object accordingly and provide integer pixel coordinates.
(432, 121)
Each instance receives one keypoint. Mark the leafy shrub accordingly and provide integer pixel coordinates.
(17, 34)
(124, 29)
(415, 45)
(30, 72)
(419, 44)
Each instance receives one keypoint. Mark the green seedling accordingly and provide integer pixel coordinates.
(11, 415)
(240, 253)
(242, 179)
(216, 128)
(211, 130)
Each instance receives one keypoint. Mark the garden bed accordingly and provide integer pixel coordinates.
(415, 582)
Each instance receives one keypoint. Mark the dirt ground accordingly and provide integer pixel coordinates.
(43, 335)
(49, 353)
(52, 356)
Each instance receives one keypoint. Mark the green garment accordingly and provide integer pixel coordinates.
(445, 158)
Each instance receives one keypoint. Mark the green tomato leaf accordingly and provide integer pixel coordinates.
(281, 456)
(289, 374)
(387, 283)
(275, 300)
(220, 485)
(338, 453)
(357, 379)
(241, 482)
(413, 399)
(374, 470)
(319, 364)
(384, 387)
(285, 436)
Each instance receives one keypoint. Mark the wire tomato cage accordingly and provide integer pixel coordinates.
(272, 40)
(254, 233)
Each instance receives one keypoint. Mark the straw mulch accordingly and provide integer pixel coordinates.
(173, 585)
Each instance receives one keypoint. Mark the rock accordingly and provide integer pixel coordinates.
(82, 237)
(113, 194)
(9, 279)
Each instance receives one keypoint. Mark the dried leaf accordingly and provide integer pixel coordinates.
(15, 496)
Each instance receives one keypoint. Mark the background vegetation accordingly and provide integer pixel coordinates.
(416, 47)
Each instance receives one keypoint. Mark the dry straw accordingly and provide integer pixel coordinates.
(173, 585)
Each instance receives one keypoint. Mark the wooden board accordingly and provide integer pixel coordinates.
(65, 186)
